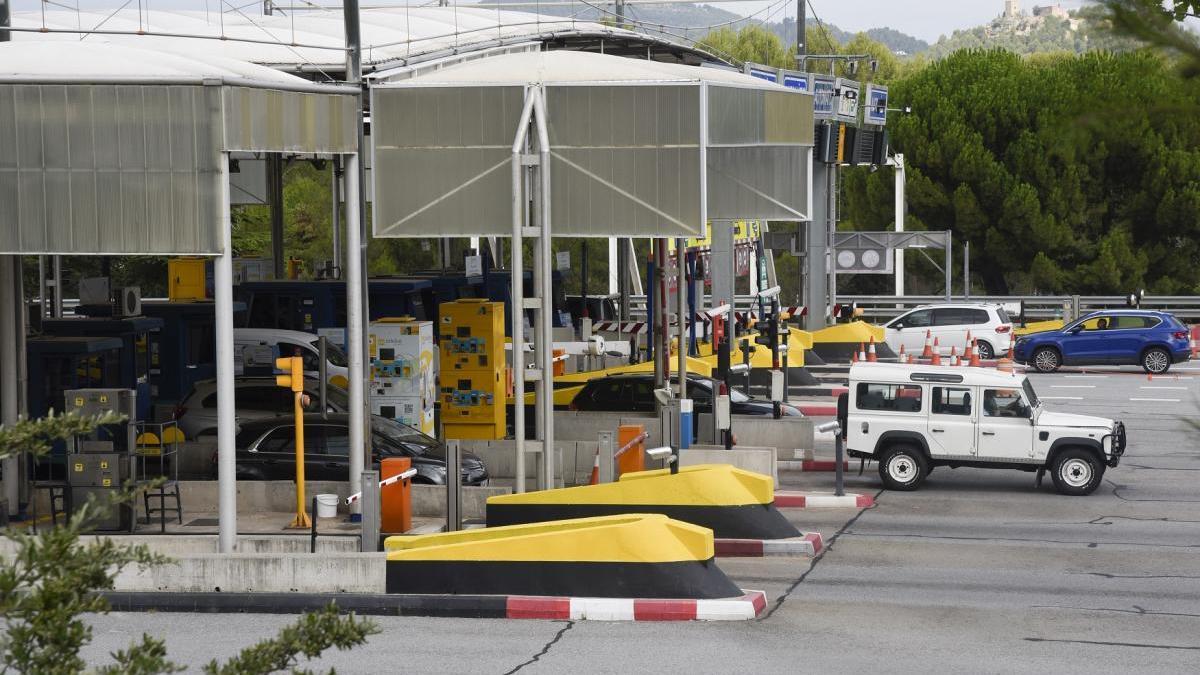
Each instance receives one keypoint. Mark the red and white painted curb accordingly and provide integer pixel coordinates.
(822, 500)
(807, 546)
(747, 607)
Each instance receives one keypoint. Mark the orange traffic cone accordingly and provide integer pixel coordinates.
(903, 356)
(974, 362)
(871, 353)
(854, 357)
(953, 355)
(967, 347)
(936, 359)
(595, 470)
(928, 352)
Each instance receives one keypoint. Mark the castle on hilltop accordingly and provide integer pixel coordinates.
(1013, 20)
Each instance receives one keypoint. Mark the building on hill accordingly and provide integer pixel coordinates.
(1012, 9)
(1055, 11)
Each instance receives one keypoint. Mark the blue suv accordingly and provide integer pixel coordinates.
(1152, 340)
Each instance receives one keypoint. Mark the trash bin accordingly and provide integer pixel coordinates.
(327, 506)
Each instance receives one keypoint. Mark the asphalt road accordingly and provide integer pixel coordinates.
(976, 572)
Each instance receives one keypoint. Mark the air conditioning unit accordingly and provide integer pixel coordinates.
(128, 301)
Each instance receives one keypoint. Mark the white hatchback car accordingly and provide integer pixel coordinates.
(255, 398)
(949, 323)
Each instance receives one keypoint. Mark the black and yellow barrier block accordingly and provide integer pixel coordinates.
(732, 502)
(836, 343)
(636, 555)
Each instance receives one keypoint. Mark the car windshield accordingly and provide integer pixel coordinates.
(332, 352)
(400, 435)
(1030, 394)
(336, 396)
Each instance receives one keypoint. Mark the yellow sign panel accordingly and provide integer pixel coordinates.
(107, 482)
(78, 401)
(103, 465)
(78, 467)
(744, 230)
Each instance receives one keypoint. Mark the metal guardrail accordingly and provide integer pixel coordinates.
(1037, 307)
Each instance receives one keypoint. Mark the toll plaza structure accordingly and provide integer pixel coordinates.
(138, 138)
(552, 159)
(136, 356)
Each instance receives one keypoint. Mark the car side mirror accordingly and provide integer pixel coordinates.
(1076, 329)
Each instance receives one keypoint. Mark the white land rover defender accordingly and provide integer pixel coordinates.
(912, 418)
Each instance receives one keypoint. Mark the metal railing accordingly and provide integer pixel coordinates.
(1037, 307)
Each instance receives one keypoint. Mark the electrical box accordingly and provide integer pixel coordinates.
(187, 279)
(473, 383)
(403, 374)
(89, 402)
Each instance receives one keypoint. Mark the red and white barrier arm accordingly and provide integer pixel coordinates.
(405, 475)
(638, 439)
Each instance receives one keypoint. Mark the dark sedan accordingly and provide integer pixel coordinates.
(266, 450)
(635, 393)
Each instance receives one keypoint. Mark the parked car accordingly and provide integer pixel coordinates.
(266, 450)
(912, 418)
(255, 398)
(280, 342)
(1152, 340)
(634, 392)
(950, 323)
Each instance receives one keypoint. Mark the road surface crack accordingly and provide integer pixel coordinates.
(1140, 611)
(545, 648)
(828, 547)
(1113, 644)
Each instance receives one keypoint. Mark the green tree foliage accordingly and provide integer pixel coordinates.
(1065, 173)
(53, 579)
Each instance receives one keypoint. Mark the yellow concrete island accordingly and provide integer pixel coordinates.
(626, 556)
(732, 502)
(837, 342)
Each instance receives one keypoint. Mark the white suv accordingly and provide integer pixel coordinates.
(911, 418)
(950, 323)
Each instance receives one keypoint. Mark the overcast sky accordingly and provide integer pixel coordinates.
(926, 19)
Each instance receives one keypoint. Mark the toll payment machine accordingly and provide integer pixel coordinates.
(100, 464)
(474, 379)
(403, 372)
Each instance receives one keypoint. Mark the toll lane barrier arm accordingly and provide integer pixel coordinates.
(385, 482)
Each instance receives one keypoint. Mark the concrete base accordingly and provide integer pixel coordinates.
(261, 572)
(758, 460)
(257, 496)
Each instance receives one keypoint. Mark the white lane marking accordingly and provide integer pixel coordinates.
(1072, 386)
(1177, 388)
(1087, 376)
(1157, 400)
(1061, 398)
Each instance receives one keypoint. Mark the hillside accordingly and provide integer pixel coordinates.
(1085, 30)
(690, 20)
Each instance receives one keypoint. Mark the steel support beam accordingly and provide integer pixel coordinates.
(360, 449)
(816, 258)
(226, 405)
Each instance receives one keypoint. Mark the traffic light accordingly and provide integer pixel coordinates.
(293, 372)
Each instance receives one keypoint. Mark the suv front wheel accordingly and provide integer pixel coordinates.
(902, 467)
(1077, 472)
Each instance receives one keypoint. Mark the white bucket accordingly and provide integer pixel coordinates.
(327, 506)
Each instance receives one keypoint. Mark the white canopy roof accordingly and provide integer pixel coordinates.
(564, 67)
(96, 62)
(314, 41)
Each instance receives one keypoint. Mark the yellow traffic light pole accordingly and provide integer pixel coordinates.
(294, 380)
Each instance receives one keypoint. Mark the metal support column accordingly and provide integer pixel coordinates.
(816, 250)
(10, 407)
(226, 405)
(898, 160)
(338, 261)
(275, 202)
(543, 281)
(56, 309)
(355, 316)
